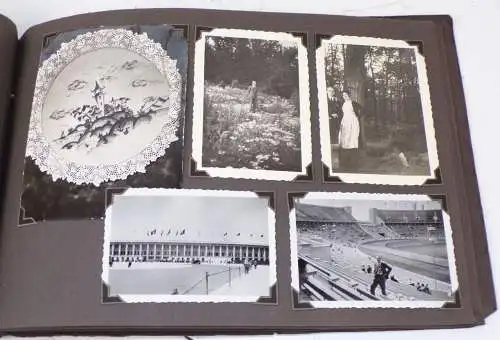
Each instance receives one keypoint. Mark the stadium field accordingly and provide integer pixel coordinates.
(420, 247)
(165, 280)
(424, 264)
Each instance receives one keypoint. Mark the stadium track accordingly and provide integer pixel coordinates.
(430, 266)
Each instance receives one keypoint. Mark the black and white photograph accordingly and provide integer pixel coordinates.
(375, 113)
(372, 250)
(251, 105)
(181, 245)
(108, 109)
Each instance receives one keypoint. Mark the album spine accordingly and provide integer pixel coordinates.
(10, 61)
(485, 294)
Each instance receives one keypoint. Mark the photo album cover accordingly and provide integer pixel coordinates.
(182, 171)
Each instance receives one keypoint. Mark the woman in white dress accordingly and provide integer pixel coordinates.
(348, 135)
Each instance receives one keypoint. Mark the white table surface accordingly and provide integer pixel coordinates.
(477, 50)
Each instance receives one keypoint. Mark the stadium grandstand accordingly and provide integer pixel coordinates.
(330, 222)
(189, 228)
(181, 247)
(411, 223)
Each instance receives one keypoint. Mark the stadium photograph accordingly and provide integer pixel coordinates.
(354, 249)
(165, 245)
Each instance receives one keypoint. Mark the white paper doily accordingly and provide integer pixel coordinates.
(105, 105)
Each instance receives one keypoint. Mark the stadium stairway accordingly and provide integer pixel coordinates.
(359, 283)
(370, 232)
(379, 232)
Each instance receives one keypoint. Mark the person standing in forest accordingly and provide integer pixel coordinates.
(333, 116)
(252, 90)
(349, 135)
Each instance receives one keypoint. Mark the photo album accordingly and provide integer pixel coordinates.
(175, 171)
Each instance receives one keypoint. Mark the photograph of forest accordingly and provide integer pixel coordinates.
(375, 110)
(251, 104)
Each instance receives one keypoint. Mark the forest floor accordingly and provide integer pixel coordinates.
(233, 136)
(386, 163)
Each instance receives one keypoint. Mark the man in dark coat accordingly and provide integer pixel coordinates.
(334, 110)
(381, 273)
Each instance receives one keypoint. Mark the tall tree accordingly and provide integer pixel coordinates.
(373, 88)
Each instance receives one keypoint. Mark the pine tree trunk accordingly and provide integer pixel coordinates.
(373, 90)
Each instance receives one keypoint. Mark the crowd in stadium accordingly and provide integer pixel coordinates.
(410, 216)
(337, 223)
(413, 223)
(185, 260)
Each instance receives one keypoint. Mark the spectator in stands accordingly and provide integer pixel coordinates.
(369, 269)
(363, 268)
(426, 289)
(381, 271)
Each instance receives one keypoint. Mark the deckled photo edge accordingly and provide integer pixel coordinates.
(450, 249)
(324, 126)
(305, 106)
(427, 111)
(158, 298)
(273, 254)
(294, 256)
(106, 244)
(198, 94)
(198, 114)
(356, 196)
(425, 99)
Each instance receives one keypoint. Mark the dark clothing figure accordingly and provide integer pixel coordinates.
(129, 264)
(381, 273)
(335, 116)
(369, 269)
(252, 90)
